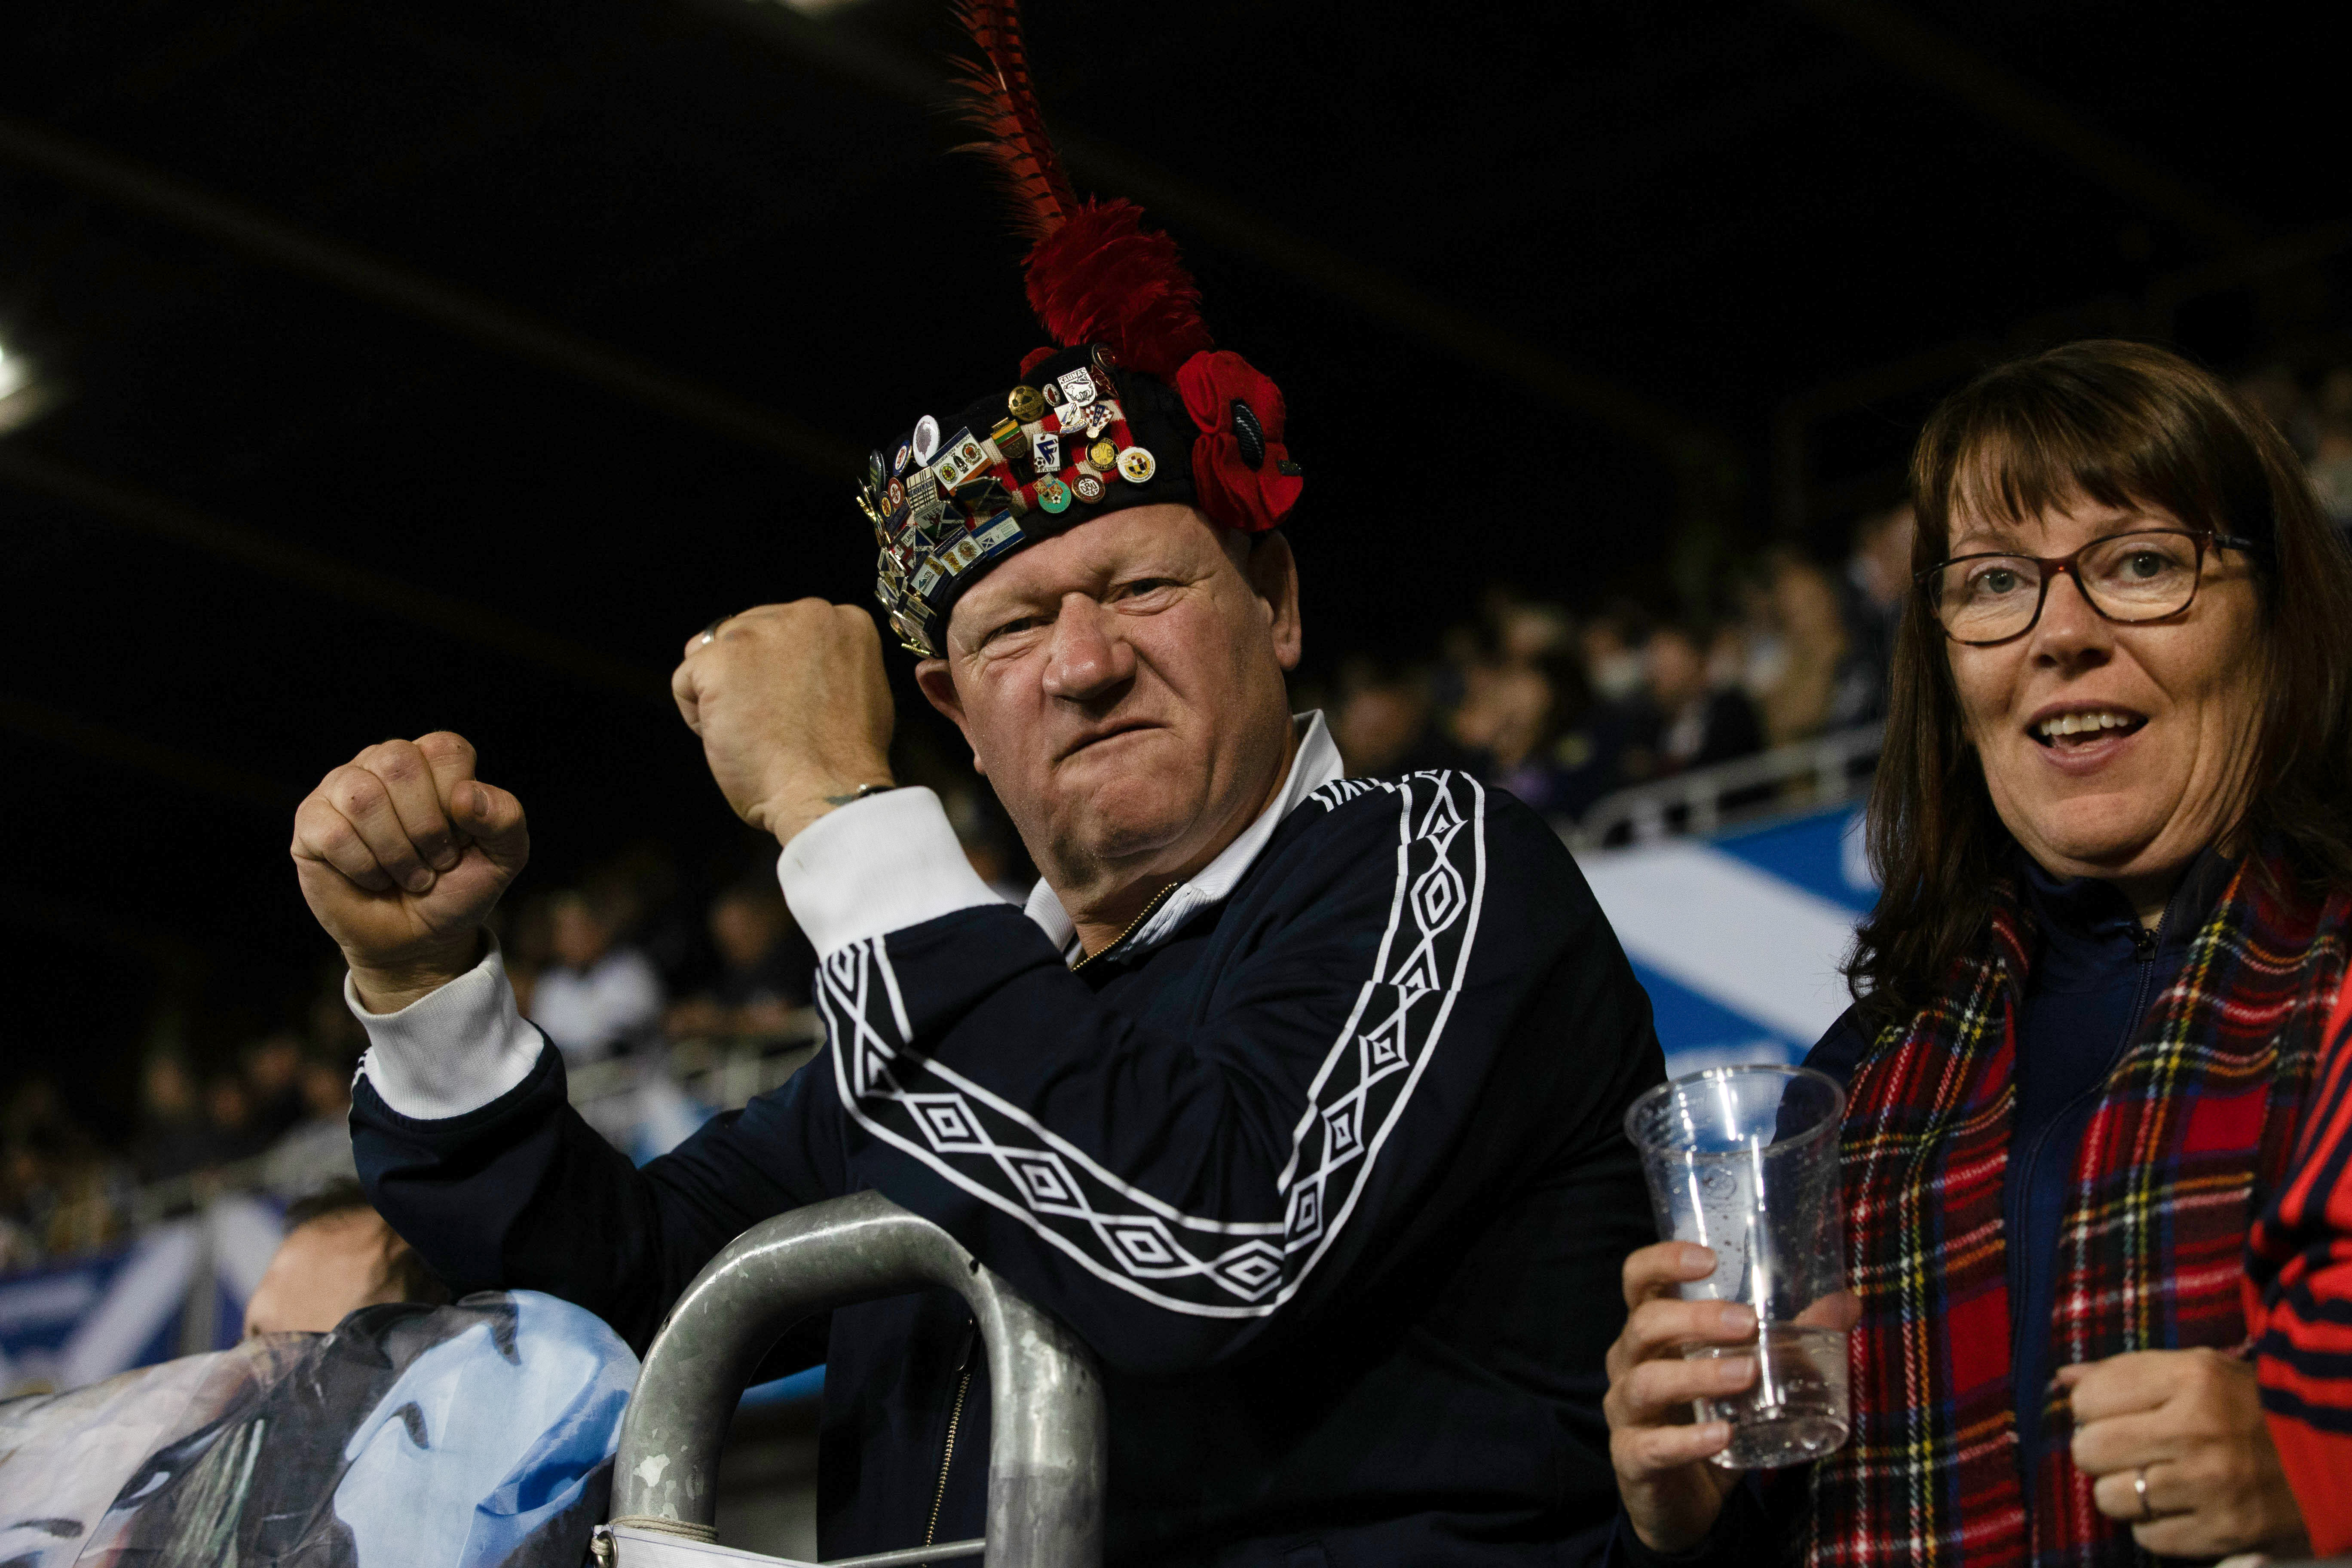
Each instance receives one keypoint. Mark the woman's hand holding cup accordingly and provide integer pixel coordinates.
(1671, 1490)
(1672, 1494)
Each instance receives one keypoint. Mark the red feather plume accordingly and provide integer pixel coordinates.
(998, 101)
(1094, 273)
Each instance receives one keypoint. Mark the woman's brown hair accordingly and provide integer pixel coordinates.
(2125, 424)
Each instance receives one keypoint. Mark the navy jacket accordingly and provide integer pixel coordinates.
(1332, 1180)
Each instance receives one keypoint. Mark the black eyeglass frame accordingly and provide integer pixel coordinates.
(2052, 566)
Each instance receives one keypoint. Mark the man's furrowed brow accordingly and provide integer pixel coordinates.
(986, 607)
(993, 603)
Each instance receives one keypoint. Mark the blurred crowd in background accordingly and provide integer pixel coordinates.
(1563, 709)
(624, 964)
(1561, 706)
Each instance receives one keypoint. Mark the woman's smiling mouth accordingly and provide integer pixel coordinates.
(2084, 733)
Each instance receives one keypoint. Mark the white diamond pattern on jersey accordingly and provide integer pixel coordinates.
(1187, 1263)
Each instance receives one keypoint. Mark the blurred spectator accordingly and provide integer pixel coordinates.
(1763, 648)
(174, 1137)
(317, 1149)
(1615, 744)
(58, 1193)
(1526, 632)
(1505, 712)
(768, 964)
(338, 1256)
(1384, 722)
(228, 1111)
(273, 1072)
(1877, 585)
(1379, 722)
(1818, 686)
(599, 996)
(527, 940)
(1541, 736)
(1700, 721)
(1611, 645)
(641, 886)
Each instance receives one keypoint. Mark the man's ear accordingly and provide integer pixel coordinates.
(938, 683)
(1272, 574)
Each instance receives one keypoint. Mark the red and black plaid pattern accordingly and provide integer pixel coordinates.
(2299, 1301)
(2199, 1113)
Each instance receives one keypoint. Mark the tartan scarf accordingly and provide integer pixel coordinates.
(2198, 1114)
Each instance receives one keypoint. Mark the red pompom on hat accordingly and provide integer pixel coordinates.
(1102, 278)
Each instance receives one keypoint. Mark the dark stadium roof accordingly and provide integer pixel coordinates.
(446, 362)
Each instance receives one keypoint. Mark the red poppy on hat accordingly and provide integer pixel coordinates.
(1240, 466)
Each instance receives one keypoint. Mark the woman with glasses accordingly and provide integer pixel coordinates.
(2113, 827)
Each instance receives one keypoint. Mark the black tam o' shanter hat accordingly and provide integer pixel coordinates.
(1130, 405)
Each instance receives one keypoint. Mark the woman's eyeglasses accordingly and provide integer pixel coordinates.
(2126, 577)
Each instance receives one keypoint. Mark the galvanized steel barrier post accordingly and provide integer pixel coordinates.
(1046, 1423)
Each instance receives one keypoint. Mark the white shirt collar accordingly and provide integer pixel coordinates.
(1315, 763)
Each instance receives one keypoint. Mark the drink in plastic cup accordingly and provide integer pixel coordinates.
(1744, 1161)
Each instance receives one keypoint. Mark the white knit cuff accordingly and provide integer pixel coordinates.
(877, 865)
(452, 1050)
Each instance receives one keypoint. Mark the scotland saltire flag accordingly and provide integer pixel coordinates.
(1737, 939)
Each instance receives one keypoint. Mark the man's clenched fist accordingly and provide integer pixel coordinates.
(793, 709)
(402, 855)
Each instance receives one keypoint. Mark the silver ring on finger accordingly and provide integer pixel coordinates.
(710, 632)
(2148, 1513)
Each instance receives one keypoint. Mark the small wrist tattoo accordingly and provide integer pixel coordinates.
(860, 792)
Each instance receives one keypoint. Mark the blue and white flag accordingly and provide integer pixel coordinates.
(181, 1286)
(1739, 938)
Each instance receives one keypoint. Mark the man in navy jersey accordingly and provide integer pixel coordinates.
(1298, 1097)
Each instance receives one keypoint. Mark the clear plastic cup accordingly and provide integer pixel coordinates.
(1744, 1160)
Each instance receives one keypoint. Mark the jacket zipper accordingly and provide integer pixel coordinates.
(947, 1458)
(1150, 910)
(2144, 949)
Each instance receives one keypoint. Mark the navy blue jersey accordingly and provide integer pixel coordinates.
(1332, 1178)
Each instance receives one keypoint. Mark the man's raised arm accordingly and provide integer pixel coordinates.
(461, 1126)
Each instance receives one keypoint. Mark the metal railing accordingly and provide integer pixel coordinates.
(715, 1074)
(1821, 772)
(1046, 1448)
(728, 1073)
